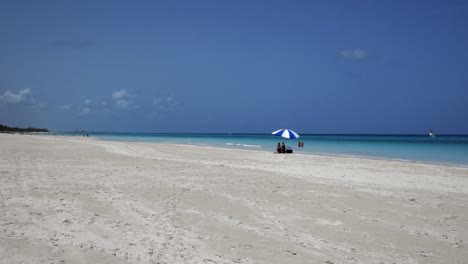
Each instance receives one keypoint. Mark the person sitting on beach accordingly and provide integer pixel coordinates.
(283, 148)
(278, 148)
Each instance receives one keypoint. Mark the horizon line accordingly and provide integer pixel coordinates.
(261, 133)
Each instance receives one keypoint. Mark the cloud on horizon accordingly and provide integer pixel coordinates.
(123, 100)
(118, 94)
(9, 97)
(23, 98)
(354, 54)
(120, 99)
(86, 108)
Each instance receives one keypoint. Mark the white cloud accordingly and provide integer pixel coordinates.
(87, 102)
(119, 94)
(85, 111)
(124, 100)
(354, 54)
(9, 97)
(122, 103)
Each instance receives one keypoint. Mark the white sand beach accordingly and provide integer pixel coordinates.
(79, 200)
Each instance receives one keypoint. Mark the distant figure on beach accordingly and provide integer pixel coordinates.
(278, 148)
(302, 144)
(283, 148)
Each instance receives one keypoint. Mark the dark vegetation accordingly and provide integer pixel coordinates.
(7, 129)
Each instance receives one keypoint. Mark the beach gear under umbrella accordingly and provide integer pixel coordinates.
(286, 133)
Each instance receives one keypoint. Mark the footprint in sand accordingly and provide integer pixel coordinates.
(425, 254)
(321, 221)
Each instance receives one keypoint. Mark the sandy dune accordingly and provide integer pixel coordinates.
(77, 200)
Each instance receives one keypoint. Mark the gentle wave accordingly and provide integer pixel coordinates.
(243, 145)
(251, 146)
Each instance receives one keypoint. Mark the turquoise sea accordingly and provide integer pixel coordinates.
(445, 149)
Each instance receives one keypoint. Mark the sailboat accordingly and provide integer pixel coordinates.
(431, 134)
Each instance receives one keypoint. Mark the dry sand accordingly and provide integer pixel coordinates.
(77, 200)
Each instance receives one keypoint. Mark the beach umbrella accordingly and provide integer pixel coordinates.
(286, 133)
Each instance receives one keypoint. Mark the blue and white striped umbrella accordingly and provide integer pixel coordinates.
(286, 133)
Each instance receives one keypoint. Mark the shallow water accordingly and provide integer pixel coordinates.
(449, 149)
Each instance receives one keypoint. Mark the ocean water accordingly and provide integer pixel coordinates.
(450, 149)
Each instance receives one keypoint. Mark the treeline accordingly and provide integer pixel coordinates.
(7, 129)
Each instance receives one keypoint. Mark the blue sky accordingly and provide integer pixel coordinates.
(238, 66)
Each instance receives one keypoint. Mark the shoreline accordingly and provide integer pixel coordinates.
(295, 153)
(255, 149)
